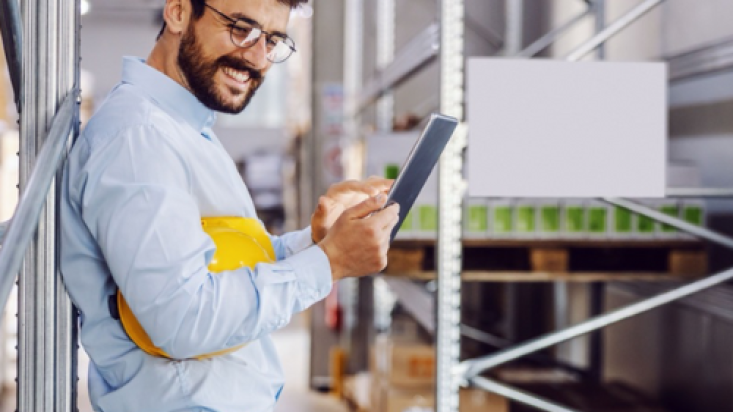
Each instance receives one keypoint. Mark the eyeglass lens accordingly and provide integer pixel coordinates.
(279, 48)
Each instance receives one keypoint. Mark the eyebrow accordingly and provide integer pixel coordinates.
(243, 17)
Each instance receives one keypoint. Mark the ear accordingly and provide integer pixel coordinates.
(177, 14)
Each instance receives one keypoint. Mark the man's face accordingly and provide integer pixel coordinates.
(222, 76)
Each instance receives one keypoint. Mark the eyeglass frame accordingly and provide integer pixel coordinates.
(233, 23)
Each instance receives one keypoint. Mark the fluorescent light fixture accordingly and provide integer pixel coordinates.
(84, 7)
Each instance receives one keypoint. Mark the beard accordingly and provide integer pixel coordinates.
(200, 73)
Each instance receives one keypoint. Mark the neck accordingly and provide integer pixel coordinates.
(163, 59)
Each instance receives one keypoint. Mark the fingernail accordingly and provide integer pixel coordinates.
(381, 197)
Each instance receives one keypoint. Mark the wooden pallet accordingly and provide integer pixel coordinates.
(564, 260)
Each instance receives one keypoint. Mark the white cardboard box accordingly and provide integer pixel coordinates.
(547, 128)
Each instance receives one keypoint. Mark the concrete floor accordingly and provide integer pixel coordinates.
(297, 397)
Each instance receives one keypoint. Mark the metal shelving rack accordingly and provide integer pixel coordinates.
(445, 41)
(43, 58)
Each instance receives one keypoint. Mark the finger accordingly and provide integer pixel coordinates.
(379, 183)
(384, 217)
(343, 187)
(367, 207)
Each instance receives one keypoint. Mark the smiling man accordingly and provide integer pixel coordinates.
(141, 180)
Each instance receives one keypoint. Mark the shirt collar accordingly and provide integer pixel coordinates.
(175, 99)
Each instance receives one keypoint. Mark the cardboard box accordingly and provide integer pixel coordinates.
(387, 398)
(402, 363)
(477, 400)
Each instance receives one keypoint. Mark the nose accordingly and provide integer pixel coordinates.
(257, 54)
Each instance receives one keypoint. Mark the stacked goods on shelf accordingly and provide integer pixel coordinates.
(403, 379)
(501, 218)
(403, 375)
(550, 219)
(475, 218)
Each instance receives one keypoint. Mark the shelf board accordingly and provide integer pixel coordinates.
(553, 243)
(576, 277)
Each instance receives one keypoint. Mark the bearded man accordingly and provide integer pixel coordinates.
(137, 185)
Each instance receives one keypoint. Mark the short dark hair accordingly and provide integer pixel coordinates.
(198, 10)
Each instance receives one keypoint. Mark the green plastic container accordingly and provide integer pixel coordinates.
(477, 219)
(391, 171)
(550, 217)
(526, 219)
(428, 218)
(574, 219)
(623, 222)
(597, 219)
(669, 210)
(501, 222)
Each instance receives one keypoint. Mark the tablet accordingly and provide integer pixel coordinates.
(420, 162)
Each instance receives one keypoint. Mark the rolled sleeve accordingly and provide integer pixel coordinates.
(291, 243)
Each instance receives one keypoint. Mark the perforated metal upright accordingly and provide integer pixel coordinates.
(451, 187)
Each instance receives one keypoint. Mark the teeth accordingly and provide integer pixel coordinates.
(237, 75)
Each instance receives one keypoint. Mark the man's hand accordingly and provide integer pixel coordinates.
(358, 242)
(340, 197)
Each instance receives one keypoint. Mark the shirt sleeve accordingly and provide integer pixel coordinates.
(136, 200)
(292, 242)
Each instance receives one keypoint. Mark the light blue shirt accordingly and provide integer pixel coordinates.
(135, 186)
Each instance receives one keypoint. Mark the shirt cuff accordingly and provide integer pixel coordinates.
(313, 273)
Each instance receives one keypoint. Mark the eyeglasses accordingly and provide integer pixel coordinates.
(245, 35)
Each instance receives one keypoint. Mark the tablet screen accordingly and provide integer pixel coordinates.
(420, 162)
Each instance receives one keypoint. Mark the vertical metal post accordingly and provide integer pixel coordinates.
(597, 290)
(27, 152)
(50, 68)
(385, 55)
(514, 27)
(349, 289)
(513, 35)
(451, 187)
(599, 8)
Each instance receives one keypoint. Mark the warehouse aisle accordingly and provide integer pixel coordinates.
(293, 346)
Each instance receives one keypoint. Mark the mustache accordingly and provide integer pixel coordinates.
(240, 65)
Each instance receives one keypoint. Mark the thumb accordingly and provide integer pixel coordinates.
(363, 209)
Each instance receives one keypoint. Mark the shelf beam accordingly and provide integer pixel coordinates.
(541, 277)
(415, 56)
(472, 368)
(613, 29)
(716, 57)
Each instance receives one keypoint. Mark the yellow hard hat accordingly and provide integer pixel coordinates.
(239, 241)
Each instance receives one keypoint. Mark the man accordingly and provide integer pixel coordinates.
(137, 183)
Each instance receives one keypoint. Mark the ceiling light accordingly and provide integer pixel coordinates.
(84, 7)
